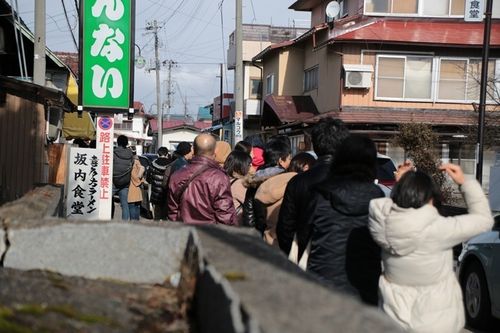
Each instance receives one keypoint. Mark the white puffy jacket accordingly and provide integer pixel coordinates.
(418, 287)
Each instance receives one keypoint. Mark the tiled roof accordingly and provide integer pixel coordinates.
(280, 110)
(420, 31)
(176, 123)
(70, 59)
(377, 115)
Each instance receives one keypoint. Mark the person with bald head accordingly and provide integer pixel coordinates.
(200, 192)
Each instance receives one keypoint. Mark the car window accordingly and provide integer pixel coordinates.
(496, 226)
(385, 169)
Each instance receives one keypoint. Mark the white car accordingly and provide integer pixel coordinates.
(479, 276)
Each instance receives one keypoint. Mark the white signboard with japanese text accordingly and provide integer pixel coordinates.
(238, 126)
(474, 10)
(104, 148)
(83, 184)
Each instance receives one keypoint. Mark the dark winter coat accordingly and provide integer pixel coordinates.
(207, 198)
(343, 253)
(156, 179)
(293, 217)
(180, 162)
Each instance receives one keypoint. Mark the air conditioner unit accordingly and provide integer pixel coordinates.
(358, 76)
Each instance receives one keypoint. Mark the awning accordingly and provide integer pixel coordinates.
(73, 126)
(280, 110)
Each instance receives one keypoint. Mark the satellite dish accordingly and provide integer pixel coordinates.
(332, 10)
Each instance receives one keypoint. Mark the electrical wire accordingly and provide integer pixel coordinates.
(253, 11)
(69, 25)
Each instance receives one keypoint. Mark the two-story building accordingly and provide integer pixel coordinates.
(380, 64)
(256, 37)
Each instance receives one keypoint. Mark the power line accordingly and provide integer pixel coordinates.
(69, 26)
(253, 11)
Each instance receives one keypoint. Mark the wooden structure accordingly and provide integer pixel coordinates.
(26, 110)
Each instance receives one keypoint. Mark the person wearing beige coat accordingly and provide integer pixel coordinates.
(134, 190)
(270, 193)
(418, 287)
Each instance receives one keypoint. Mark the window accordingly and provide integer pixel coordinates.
(391, 6)
(125, 125)
(416, 7)
(255, 86)
(459, 79)
(311, 78)
(270, 84)
(426, 78)
(404, 77)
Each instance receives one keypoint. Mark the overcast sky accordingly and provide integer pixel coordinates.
(192, 33)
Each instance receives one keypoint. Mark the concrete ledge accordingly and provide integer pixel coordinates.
(119, 251)
(42, 202)
(241, 284)
(274, 295)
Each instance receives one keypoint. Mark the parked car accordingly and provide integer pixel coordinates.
(385, 170)
(479, 276)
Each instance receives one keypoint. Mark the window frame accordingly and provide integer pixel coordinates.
(403, 98)
(419, 12)
(496, 62)
(250, 87)
(307, 71)
(270, 78)
(435, 79)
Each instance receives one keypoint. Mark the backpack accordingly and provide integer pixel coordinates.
(121, 176)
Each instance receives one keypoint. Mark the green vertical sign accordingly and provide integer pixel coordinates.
(106, 55)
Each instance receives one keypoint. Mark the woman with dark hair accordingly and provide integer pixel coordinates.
(301, 162)
(343, 254)
(237, 166)
(419, 288)
(244, 147)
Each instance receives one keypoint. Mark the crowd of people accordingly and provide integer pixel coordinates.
(325, 209)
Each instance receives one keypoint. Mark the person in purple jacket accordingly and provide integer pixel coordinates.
(200, 193)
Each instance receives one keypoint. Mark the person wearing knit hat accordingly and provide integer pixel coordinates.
(222, 151)
(257, 158)
(183, 153)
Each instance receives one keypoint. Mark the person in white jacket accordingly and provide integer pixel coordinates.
(418, 288)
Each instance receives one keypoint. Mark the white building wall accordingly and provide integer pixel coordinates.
(170, 139)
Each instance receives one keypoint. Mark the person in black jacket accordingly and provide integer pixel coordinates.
(326, 136)
(158, 183)
(343, 252)
(122, 168)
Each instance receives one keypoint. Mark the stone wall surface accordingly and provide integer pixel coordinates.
(275, 295)
(120, 251)
(241, 284)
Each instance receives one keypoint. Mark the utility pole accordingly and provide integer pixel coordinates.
(482, 93)
(221, 101)
(159, 116)
(39, 54)
(238, 77)
(170, 64)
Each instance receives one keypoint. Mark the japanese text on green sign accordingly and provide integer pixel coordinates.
(106, 34)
